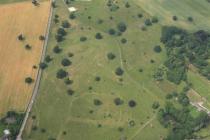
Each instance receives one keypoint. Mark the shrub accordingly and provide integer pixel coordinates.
(190, 19)
(154, 19)
(66, 62)
(157, 49)
(72, 16)
(141, 70)
(97, 78)
(98, 36)
(43, 130)
(111, 56)
(140, 15)
(97, 102)
(57, 49)
(65, 24)
(70, 92)
(143, 28)
(132, 103)
(59, 37)
(152, 61)
(67, 81)
(28, 80)
(41, 37)
(112, 31)
(48, 58)
(100, 21)
(155, 105)
(70, 54)
(127, 5)
(27, 47)
(119, 71)
(83, 38)
(169, 96)
(175, 18)
(122, 27)
(148, 22)
(42, 65)
(61, 74)
(118, 101)
(61, 31)
(21, 37)
(123, 41)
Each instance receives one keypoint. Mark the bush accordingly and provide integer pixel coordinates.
(157, 49)
(70, 92)
(48, 58)
(112, 31)
(83, 38)
(72, 16)
(61, 74)
(175, 18)
(97, 78)
(67, 81)
(28, 80)
(41, 37)
(127, 5)
(132, 103)
(140, 15)
(27, 47)
(190, 19)
(97, 102)
(42, 65)
(66, 62)
(123, 41)
(70, 54)
(61, 31)
(59, 37)
(122, 27)
(148, 22)
(155, 105)
(111, 56)
(21, 37)
(57, 49)
(65, 24)
(154, 20)
(119, 71)
(118, 101)
(98, 36)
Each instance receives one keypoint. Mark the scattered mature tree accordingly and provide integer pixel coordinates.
(98, 36)
(66, 62)
(111, 56)
(118, 101)
(65, 24)
(57, 49)
(61, 74)
(21, 37)
(154, 20)
(132, 103)
(83, 38)
(122, 27)
(28, 80)
(157, 49)
(41, 37)
(97, 102)
(148, 22)
(43, 65)
(119, 71)
(48, 58)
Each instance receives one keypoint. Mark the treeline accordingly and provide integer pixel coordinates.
(183, 49)
(12, 121)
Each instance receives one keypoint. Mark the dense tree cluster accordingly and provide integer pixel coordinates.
(183, 49)
(181, 123)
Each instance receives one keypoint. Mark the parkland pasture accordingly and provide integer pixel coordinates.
(21, 26)
(98, 81)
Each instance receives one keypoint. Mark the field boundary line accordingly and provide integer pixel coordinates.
(38, 77)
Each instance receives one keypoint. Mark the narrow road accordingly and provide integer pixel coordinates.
(38, 78)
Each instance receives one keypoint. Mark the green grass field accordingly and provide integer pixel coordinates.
(66, 117)
(165, 10)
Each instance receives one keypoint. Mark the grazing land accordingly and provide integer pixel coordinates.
(18, 60)
(105, 77)
(165, 10)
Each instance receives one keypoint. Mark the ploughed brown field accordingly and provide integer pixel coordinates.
(16, 62)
